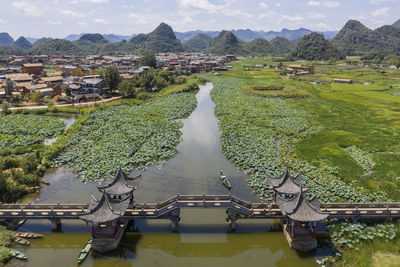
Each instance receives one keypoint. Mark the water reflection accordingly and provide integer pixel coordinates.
(203, 241)
(68, 123)
(203, 238)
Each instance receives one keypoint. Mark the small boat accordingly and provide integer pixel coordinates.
(17, 254)
(85, 251)
(27, 235)
(224, 180)
(20, 240)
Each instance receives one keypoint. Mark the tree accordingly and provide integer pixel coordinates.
(78, 72)
(16, 99)
(36, 97)
(160, 83)
(5, 110)
(127, 88)
(148, 59)
(149, 80)
(9, 87)
(111, 77)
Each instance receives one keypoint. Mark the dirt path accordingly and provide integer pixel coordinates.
(85, 104)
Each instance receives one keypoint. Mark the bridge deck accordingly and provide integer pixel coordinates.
(247, 210)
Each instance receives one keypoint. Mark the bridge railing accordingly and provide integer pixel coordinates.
(360, 205)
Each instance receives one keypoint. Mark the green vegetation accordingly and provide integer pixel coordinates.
(284, 45)
(56, 47)
(127, 136)
(149, 59)
(22, 43)
(5, 240)
(21, 145)
(356, 39)
(275, 91)
(261, 47)
(315, 47)
(25, 130)
(397, 24)
(6, 39)
(342, 139)
(226, 43)
(111, 77)
(198, 43)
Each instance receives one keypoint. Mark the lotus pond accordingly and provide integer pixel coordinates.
(25, 130)
(127, 137)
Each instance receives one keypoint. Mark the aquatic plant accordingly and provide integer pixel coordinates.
(127, 136)
(24, 130)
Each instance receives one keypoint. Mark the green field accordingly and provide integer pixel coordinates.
(343, 139)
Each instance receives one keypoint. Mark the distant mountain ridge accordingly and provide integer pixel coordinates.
(250, 35)
(356, 39)
(353, 39)
(396, 24)
(23, 43)
(6, 39)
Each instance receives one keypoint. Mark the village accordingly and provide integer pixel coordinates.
(52, 80)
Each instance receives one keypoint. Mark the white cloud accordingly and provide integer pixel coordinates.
(71, 13)
(378, 2)
(313, 3)
(263, 5)
(89, 1)
(54, 22)
(329, 4)
(101, 21)
(381, 12)
(316, 16)
(29, 9)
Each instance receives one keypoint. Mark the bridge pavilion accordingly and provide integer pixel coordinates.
(301, 214)
(105, 215)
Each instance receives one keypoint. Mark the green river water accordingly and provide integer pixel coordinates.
(202, 238)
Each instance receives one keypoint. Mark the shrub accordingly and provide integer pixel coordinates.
(143, 96)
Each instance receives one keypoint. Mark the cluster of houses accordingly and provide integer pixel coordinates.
(32, 78)
(68, 80)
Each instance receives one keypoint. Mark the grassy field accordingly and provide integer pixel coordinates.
(344, 139)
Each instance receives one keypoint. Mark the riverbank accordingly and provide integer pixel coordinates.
(5, 240)
(25, 161)
(83, 104)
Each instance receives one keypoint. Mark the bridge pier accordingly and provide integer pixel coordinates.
(233, 216)
(56, 225)
(173, 216)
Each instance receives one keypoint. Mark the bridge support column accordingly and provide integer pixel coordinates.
(232, 218)
(56, 225)
(173, 216)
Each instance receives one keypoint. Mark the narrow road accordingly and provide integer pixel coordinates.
(70, 105)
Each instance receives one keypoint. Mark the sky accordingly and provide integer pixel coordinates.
(58, 18)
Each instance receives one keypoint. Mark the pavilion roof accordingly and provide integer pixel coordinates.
(286, 184)
(301, 209)
(120, 184)
(106, 209)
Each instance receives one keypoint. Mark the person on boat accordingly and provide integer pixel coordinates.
(223, 177)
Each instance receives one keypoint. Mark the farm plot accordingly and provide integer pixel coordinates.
(127, 137)
(25, 130)
(259, 135)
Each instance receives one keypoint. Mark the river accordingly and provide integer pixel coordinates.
(202, 238)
